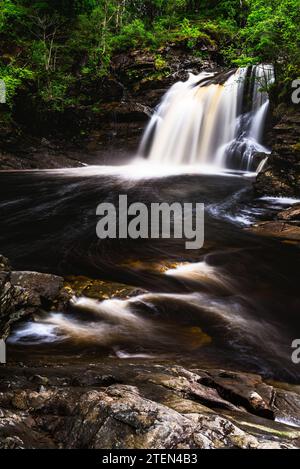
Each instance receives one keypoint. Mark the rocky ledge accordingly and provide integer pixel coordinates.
(78, 402)
(23, 294)
(286, 226)
(281, 174)
(122, 404)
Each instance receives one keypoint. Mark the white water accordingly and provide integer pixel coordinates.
(131, 322)
(200, 122)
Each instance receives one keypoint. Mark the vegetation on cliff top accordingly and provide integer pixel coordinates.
(49, 46)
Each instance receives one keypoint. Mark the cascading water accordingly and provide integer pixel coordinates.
(203, 122)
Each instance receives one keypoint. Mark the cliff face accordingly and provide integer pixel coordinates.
(281, 175)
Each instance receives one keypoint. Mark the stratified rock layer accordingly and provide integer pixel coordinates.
(281, 175)
(135, 405)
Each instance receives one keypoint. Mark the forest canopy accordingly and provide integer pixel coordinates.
(56, 42)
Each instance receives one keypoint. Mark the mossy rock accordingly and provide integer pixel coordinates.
(97, 289)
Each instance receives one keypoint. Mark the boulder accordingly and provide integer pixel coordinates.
(276, 229)
(291, 214)
(24, 293)
(4, 264)
(40, 287)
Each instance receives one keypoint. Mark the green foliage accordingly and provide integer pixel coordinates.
(160, 62)
(192, 33)
(54, 93)
(272, 34)
(68, 8)
(132, 35)
(14, 78)
(55, 43)
(10, 13)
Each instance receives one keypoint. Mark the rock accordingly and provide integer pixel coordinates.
(276, 229)
(4, 264)
(13, 304)
(281, 175)
(287, 407)
(12, 443)
(155, 407)
(40, 286)
(291, 214)
(193, 390)
(24, 293)
(38, 379)
(218, 432)
(95, 288)
(245, 390)
(19, 400)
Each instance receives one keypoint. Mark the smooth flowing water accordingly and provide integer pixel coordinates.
(235, 302)
(213, 121)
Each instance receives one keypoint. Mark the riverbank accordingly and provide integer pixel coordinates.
(140, 404)
(50, 400)
(117, 383)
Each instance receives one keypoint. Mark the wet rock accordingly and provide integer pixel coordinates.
(291, 214)
(40, 286)
(23, 294)
(91, 378)
(281, 175)
(19, 400)
(17, 432)
(217, 432)
(12, 443)
(38, 379)
(4, 264)
(156, 406)
(277, 229)
(279, 435)
(245, 390)
(192, 389)
(13, 304)
(287, 407)
(125, 112)
(94, 288)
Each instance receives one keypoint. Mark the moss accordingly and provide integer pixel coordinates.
(296, 146)
(160, 63)
(292, 434)
(93, 288)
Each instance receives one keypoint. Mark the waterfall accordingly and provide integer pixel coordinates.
(207, 121)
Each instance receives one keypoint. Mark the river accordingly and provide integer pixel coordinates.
(233, 303)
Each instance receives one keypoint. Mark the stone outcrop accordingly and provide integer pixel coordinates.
(277, 229)
(128, 404)
(24, 293)
(286, 226)
(291, 214)
(124, 405)
(281, 175)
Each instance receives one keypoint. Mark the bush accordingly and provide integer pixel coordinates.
(133, 34)
(14, 78)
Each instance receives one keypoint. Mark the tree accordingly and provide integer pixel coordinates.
(46, 29)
